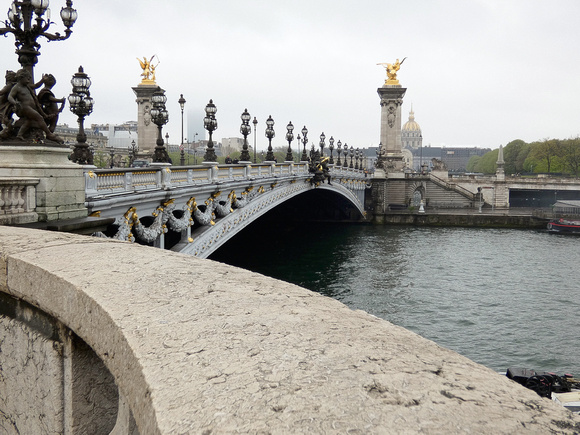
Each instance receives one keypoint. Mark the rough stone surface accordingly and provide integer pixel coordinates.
(200, 347)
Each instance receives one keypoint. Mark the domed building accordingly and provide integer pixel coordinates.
(411, 137)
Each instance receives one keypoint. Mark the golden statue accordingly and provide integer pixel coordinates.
(392, 69)
(148, 68)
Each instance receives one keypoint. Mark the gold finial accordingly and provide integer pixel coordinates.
(148, 68)
(392, 69)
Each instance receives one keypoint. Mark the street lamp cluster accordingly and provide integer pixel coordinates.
(26, 33)
(28, 20)
(81, 104)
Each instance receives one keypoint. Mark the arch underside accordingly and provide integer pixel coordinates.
(207, 239)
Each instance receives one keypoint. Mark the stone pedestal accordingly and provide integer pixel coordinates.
(147, 131)
(60, 192)
(391, 101)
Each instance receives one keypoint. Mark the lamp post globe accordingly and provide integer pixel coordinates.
(345, 152)
(270, 135)
(160, 116)
(210, 124)
(289, 138)
(339, 151)
(331, 148)
(322, 144)
(255, 122)
(245, 129)
(30, 19)
(81, 104)
(351, 156)
(304, 157)
(181, 102)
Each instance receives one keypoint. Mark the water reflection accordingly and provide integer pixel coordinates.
(501, 297)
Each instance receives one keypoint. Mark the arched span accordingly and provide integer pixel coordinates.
(207, 239)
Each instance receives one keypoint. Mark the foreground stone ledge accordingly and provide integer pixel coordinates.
(196, 346)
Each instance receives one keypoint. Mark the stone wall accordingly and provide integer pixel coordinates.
(196, 346)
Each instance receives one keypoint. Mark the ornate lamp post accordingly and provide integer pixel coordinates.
(345, 152)
(81, 104)
(270, 134)
(351, 156)
(112, 154)
(181, 102)
(338, 151)
(20, 16)
(133, 150)
(331, 147)
(304, 132)
(160, 117)
(255, 122)
(298, 145)
(210, 124)
(289, 138)
(322, 138)
(245, 129)
(356, 154)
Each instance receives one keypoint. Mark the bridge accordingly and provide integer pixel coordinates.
(195, 210)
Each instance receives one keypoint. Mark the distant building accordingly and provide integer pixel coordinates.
(455, 158)
(119, 136)
(232, 145)
(69, 135)
(411, 136)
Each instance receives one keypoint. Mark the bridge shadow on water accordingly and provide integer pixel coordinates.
(297, 241)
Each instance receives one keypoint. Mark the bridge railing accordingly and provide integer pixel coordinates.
(100, 182)
(17, 200)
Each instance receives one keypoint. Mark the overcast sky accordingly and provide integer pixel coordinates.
(478, 72)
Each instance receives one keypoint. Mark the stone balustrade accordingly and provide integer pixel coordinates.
(18, 200)
(105, 335)
(101, 182)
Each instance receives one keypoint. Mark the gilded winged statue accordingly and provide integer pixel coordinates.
(392, 69)
(148, 68)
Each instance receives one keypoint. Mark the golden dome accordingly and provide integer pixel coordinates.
(411, 125)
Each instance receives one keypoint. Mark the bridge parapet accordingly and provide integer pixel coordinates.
(18, 200)
(189, 201)
(173, 344)
(101, 182)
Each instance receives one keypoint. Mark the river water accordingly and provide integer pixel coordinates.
(503, 298)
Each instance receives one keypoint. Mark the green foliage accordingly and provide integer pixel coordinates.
(472, 163)
(487, 162)
(514, 154)
(548, 154)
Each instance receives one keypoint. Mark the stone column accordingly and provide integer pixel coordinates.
(391, 101)
(147, 131)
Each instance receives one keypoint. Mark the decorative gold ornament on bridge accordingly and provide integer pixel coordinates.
(391, 69)
(148, 68)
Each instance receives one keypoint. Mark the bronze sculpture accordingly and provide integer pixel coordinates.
(26, 106)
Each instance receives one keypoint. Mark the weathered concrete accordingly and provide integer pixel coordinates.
(200, 347)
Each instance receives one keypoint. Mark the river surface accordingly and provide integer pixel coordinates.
(503, 298)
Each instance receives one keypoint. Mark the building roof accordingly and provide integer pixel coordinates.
(411, 124)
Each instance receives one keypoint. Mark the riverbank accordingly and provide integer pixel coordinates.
(487, 218)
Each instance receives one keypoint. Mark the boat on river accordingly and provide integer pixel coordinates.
(564, 226)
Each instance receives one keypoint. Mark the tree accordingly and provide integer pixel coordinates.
(571, 155)
(547, 152)
(487, 162)
(472, 163)
(510, 155)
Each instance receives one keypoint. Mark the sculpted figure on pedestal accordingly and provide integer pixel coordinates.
(392, 69)
(49, 102)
